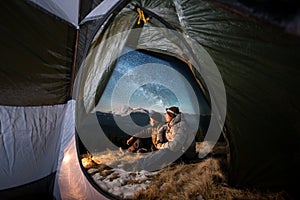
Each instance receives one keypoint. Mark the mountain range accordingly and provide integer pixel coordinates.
(119, 124)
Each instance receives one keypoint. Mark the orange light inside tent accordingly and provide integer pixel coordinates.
(67, 158)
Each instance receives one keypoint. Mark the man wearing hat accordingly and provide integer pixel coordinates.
(177, 134)
(146, 140)
(179, 143)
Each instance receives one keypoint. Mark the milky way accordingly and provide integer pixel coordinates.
(149, 82)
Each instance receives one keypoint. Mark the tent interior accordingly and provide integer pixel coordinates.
(237, 62)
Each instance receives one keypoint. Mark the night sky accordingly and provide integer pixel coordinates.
(143, 80)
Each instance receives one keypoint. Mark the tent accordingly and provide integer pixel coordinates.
(57, 57)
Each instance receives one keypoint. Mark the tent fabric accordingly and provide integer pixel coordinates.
(91, 23)
(72, 12)
(36, 56)
(61, 8)
(71, 182)
(254, 62)
(30, 142)
(284, 14)
(92, 70)
(100, 10)
(86, 7)
(39, 189)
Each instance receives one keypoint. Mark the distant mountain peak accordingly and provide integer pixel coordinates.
(126, 110)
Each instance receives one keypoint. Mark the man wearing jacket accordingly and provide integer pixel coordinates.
(180, 142)
(146, 140)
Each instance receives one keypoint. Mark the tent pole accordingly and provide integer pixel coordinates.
(75, 54)
(74, 64)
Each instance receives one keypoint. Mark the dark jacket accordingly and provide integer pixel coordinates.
(148, 137)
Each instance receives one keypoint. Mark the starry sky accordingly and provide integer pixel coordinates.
(145, 80)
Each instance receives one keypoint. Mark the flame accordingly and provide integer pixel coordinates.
(87, 162)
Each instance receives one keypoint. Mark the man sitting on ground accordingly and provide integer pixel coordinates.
(146, 140)
(180, 142)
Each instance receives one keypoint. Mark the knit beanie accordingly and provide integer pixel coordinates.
(172, 111)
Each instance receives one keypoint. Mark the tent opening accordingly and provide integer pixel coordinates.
(142, 82)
